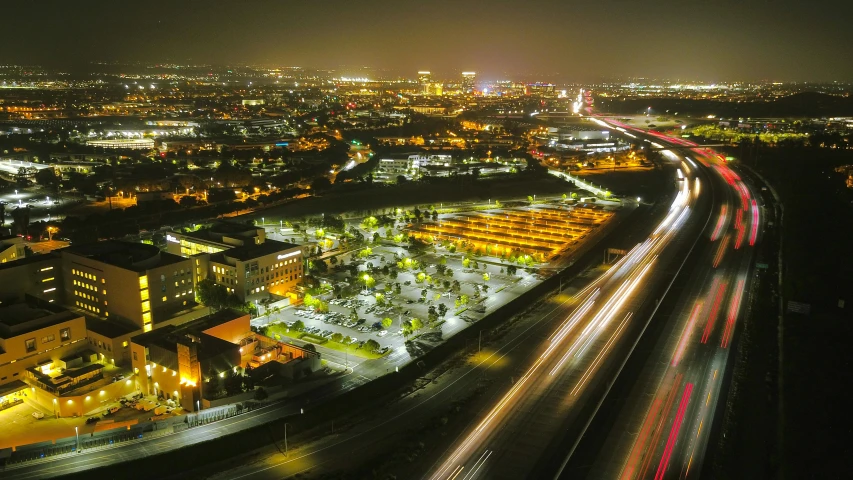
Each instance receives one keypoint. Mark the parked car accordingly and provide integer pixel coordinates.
(91, 420)
(112, 410)
(38, 415)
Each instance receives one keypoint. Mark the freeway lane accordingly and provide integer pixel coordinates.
(664, 425)
(577, 361)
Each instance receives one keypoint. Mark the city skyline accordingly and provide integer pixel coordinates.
(548, 39)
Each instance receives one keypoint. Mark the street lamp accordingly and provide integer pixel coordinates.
(285, 438)
(77, 433)
(198, 405)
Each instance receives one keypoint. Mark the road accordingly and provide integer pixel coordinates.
(577, 361)
(663, 427)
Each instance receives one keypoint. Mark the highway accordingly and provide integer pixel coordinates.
(664, 426)
(578, 360)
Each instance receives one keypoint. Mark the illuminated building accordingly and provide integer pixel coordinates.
(44, 354)
(187, 363)
(123, 143)
(468, 81)
(38, 276)
(219, 237)
(131, 282)
(11, 248)
(424, 80)
(241, 259)
(254, 271)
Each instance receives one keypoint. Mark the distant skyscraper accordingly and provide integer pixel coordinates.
(468, 80)
(424, 79)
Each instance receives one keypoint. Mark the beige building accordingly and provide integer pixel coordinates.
(133, 283)
(188, 363)
(38, 276)
(11, 248)
(241, 259)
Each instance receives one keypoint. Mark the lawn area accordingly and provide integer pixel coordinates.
(280, 333)
(352, 350)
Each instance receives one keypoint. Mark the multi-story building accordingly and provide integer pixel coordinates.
(469, 80)
(219, 237)
(409, 166)
(11, 248)
(131, 282)
(38, 276)
(36, 334)
(187, 363)
(44, 353)
(240, 258)
(424, 80)
(255, 271)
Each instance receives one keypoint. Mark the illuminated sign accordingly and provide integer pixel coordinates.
(172, 239)
(287, 255)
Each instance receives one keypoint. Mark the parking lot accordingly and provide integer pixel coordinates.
(359, 318)
(22, 427)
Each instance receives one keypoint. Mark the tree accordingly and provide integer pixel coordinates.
(188, 201)
(372, 346)
(337, 337)
(498, 204)
(417, 324)
(298, 326)
(310, 347)
(261, 394)
(321, 184)
(233, 383)
(387, 322)
(47, 177)
(211, 295)
(442, 309)
(511, 269)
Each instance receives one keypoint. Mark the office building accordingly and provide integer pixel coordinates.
(11, 248)
(215, 239)
(38, 276)
(469, 80)
(240, 258)
(130, 282)
(424, 80)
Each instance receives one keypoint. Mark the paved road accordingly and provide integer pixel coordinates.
(577, 361)
(664, 426)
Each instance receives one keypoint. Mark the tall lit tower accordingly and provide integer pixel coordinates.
(468, 80)
(424, 79)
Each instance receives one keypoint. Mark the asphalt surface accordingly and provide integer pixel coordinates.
(665, 424)
(578, 361)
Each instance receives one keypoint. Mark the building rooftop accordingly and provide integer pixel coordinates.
(248, 252)
(209, 346)
(20, 318)
(137, 257)
(108, 328)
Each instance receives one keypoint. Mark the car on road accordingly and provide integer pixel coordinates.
(382, 333)
(91, 420)
(112, 410)
(38, 415)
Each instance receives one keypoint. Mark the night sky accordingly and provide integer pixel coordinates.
(710, 40)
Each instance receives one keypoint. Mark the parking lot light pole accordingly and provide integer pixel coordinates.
(77, 433)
